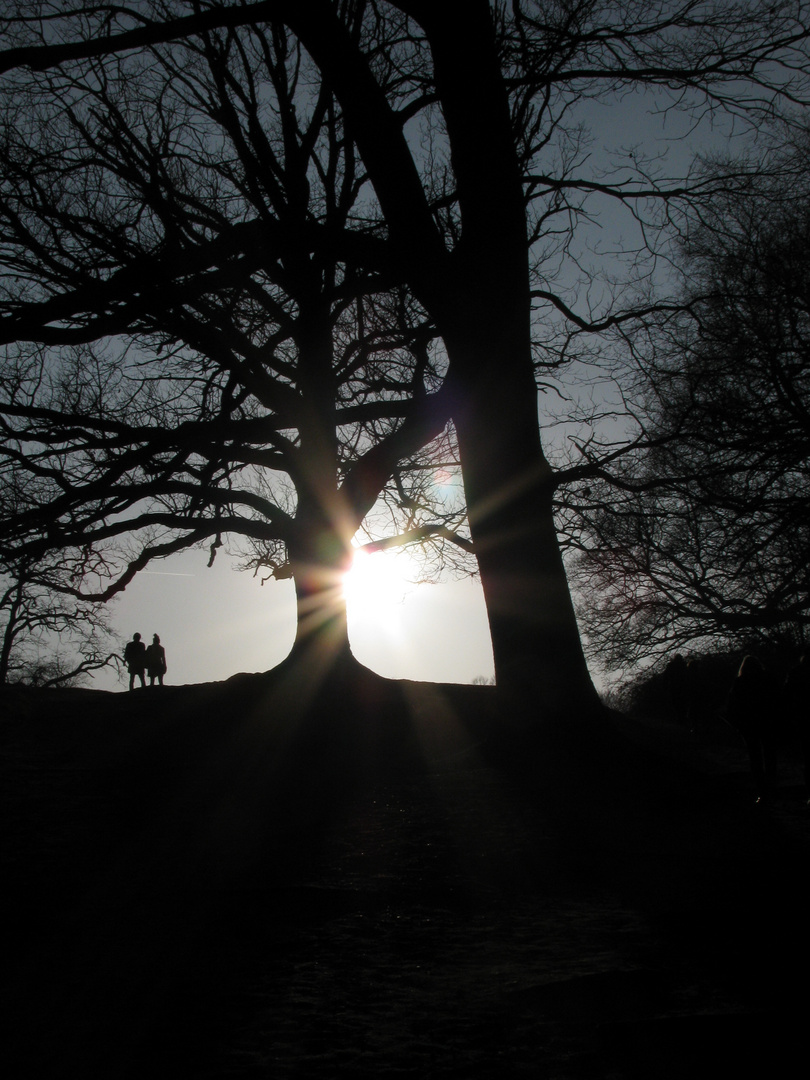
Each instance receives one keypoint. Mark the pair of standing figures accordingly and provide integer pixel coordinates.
(140, 659)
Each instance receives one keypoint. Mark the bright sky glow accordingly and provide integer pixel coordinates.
(215, 622)
(377, 585)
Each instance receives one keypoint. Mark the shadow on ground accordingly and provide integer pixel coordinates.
(253, 879)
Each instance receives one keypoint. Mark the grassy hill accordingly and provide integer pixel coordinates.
(252, 878)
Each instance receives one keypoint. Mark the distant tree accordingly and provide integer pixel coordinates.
(483, 680)
(476, 155)
(703, 538)
(46, 637)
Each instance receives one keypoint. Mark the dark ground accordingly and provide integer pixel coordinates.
(208, 882)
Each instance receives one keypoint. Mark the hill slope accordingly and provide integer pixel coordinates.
(242, 879)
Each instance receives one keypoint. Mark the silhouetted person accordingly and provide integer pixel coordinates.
(797, 706)
(135, 659)
(697, 704)
(155, 661)
(750, 711)
(676, 676)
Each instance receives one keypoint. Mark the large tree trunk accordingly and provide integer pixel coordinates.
(318, 561)
(486, 324)
(479, 296)
(509, 485)
(320, 552)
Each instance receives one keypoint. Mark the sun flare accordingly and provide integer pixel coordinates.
(376, 586)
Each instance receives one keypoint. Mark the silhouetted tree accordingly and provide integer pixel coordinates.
(704, 536)
(502, 167)
(47, 637)
(165, 205)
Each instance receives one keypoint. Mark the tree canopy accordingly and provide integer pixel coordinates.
(705, 541)
(47, 637)
(266, 212)
(195, 371)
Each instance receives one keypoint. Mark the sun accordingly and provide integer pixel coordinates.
(376, 586)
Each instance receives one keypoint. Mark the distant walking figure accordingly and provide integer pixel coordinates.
(749, 710)
(683, 684)
(676, 675)
(155, 661)
(797, 703)
(135, 659)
